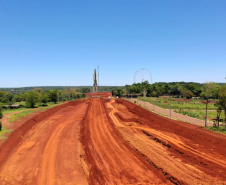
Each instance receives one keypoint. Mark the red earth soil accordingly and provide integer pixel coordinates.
(100, 142)
(210, 101)
(99, 94)
(183, 100)
(110, 159)
(46, 149)
(198, 148)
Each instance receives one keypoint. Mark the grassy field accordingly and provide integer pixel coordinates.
(6, 111)
(195, 108)
(165, 103)
(221, 129)
(200, 114)
(18, 116)
(26, 112)
(3, 132)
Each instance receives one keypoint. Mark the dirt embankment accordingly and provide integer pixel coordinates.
(99, 94)
(194, 149)
(185, 130)
(46, 149)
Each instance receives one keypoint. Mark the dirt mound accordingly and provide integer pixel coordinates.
(17, 136)
(124, 116)
(183, 100)
(99, 94)
(195, 146)
(192, 132)
(210, 101)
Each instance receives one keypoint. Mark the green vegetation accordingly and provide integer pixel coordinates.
(166, 103)
(193, 94)
(23, 114)
(6, 111)
(33, 97)
(194, 108)
(1, 114)
(221, 104)
(117, 92)
(38, 97)
(3, 132)
(175, 89)
(200, 114)
(220, 129)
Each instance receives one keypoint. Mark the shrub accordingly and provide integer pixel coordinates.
(1, 114)
(0, 125)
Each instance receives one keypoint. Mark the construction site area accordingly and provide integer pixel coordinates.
(97, 141)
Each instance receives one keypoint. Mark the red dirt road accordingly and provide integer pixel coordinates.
(49, 152)
(100, 142)
(111, 160)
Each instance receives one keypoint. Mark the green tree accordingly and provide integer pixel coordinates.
(17, 98)
(186, 93)
(53, 95)
(44, 98)
(1, 116)
(208, 90)
(119, 92)
(222, 100)
(32, 98)
(78, 95)
(2, 96)
(10, 98)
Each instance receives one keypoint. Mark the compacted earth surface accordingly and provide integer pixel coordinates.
(96, 141)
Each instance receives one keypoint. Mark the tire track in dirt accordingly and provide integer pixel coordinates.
(154, 144)
(109, 157)
(50, 152)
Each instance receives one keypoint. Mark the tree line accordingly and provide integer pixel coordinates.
(40, 96)
(209, 90)
(175, 89)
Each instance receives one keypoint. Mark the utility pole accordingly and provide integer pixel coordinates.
(206, 111)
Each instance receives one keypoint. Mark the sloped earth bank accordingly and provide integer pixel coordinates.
(184, 153)
(46, 149)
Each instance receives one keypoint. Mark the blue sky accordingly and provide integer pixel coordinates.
(55, 42)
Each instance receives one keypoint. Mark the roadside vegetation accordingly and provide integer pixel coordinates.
(1, 116)
(3, 133)
(25, 113)
(202, 101)
(25, 103)
(197, 100)
(221, 129)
